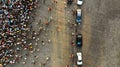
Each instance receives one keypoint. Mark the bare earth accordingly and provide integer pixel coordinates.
(100, 29)
(101, 33)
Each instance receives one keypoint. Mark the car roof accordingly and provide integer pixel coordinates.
(79, 11)
(79, 54)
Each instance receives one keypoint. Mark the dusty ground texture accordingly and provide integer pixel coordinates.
(100, 29)
(101, 33)
(56, 31)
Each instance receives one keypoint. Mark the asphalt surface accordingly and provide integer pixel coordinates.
(100, 29)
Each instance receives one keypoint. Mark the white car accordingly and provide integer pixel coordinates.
(79, 58)
(79, 2)
(79, 16)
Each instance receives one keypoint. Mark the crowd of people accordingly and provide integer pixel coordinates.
(14, 17)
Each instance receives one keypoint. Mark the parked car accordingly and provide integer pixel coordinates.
(79, 58)
(78, 16)
(69, 2)
(79, 40)
(79, 2)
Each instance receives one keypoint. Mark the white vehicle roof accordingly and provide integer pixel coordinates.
(79, 54)
(79, 11)
(79, 61)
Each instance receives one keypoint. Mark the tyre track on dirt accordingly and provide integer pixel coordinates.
(60, 38)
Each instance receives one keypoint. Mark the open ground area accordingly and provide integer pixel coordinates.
(100, 28)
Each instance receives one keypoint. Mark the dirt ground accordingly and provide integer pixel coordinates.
(54, 38)
(100, 30)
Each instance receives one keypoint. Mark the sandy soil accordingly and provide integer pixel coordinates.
(100, 29)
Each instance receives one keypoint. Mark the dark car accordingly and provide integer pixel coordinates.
(79, 40)
(69, 2)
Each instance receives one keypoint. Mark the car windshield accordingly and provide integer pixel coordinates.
(79, 36)
(79, 43)
(78, 17)
(79, 60)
